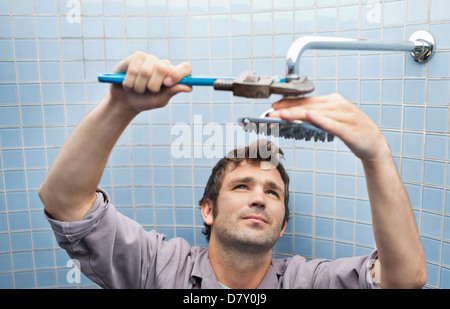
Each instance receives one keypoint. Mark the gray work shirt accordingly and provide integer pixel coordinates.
(116, 252)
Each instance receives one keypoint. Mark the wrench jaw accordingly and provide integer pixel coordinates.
(295, 86)
(249, 85)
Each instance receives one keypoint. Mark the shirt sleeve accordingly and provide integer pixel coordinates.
(345, 273)
(115, 251)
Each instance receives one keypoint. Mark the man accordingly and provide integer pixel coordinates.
(244, 206)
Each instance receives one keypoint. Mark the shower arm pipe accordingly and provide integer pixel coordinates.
(421, 45)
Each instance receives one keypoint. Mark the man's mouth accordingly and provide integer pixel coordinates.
(255, 219)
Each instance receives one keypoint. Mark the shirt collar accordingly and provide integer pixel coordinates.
(202, 271)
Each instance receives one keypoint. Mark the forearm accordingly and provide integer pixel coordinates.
(400, 252)
(69, 188)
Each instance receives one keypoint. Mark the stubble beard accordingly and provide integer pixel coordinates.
(243, 237)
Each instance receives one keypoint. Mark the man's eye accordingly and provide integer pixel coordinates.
(273, 193)
(240, 186)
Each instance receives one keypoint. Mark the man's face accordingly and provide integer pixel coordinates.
(250, 208)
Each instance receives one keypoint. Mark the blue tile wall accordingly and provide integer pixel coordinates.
(50, 57)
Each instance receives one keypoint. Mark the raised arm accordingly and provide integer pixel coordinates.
(400, 252)
(68, 191)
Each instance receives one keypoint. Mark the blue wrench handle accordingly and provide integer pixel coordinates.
(117, 78)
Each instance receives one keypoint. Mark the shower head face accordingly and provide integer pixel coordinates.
(293, 129)
(290, 129)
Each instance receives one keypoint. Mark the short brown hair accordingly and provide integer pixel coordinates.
(255, 153)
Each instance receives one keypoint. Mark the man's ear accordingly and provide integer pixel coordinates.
(282, 230)
(206, 209)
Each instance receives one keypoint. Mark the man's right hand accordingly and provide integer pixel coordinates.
(149, 82)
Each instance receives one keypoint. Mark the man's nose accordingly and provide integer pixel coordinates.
(257, 199)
